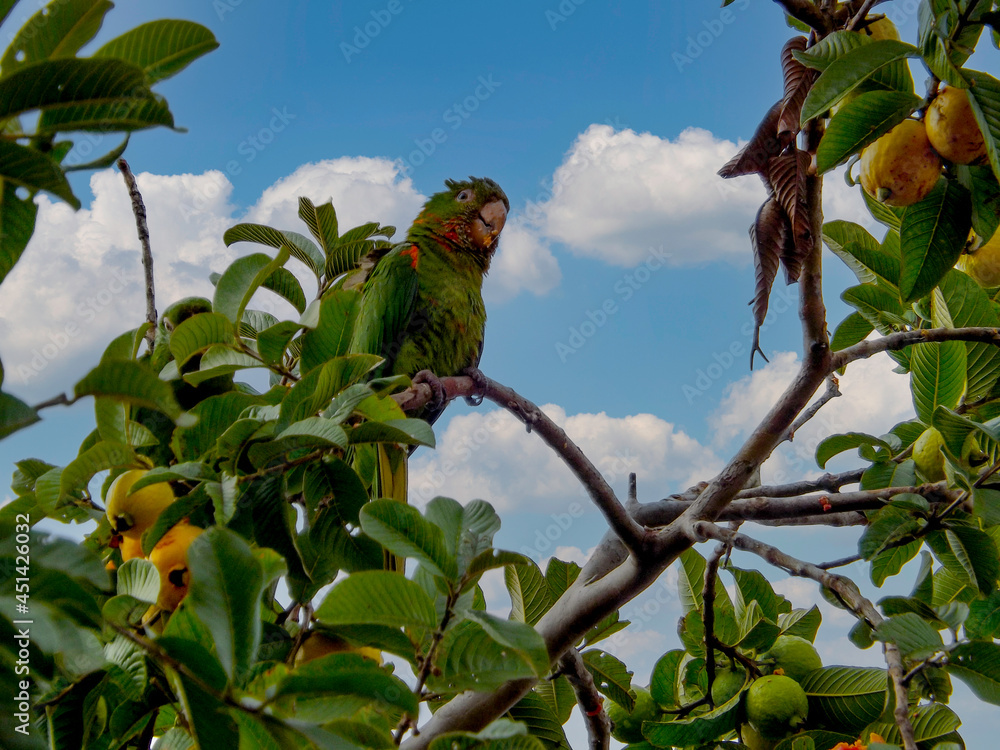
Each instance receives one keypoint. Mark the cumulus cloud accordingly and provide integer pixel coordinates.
(523, 262)
(490, 456)
(873, 399)
(617, 193)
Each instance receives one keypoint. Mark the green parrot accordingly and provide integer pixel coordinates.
(422, 307)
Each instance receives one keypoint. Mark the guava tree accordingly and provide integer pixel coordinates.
(231, 591)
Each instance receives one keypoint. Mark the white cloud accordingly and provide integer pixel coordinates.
(524, 261)
(491, 456)
(873, 400)
(618, 193)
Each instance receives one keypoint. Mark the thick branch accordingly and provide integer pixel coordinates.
(848, 593)
(139, 209)
(896, 341)
(588, 698)
(827, 482)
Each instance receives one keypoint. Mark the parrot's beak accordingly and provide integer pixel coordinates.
(488, 225)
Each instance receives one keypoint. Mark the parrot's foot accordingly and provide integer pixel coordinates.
(436, 386)
(480, 382)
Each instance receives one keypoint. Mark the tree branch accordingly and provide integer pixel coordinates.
(901, 340)
(827, 482)
(808, 13)
(588, 698)
(848, 593)
(832, 392)
(139, 209)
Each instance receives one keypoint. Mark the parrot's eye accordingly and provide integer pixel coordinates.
(464, 197)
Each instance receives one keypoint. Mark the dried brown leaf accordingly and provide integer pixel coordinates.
(787, 176)
(798, 80)
(765, 144)
(767, 237)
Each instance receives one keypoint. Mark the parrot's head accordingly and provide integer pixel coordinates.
(466, 217)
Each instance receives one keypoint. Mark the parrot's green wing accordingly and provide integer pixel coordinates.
(387, 306)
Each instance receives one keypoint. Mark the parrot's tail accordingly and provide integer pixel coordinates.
(390, 482)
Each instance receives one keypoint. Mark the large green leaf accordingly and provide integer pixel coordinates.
(695, 730)
(406, 431)
(984, 95)
(516, 636)
(849, 698)
(534, 712)
(969, 306)
(52, 84)
(322, 222)
(914, 636)
(845, 73)
(161, 48)
(58, 30)
(470, 659)
(198, 333)
(131, 382)
(611, 677)
(331, 335)
(214, 416)
(852, 330)
(403, 531)
(299, 247)
(15, 415)
(224, 593)
(35, 171)
(938, 376)
(529, 593)
(377, 598)
(931, 237)
(17, 223)
(241, 279)
(283, 283)
(860, 122)
(468, 529)
(837, 444)
(99, 457)
(134, 113)
(879, 306)
(977, 664)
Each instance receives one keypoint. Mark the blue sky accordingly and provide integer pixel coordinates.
(619, 295)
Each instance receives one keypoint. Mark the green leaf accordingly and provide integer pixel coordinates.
(51, 84)
(877, 305)
(691, 580)
(225, 588)
(211, 418)
(937, 376)
(931, 235)
(35, 171)
(889, 562)
(559, 576)
(914, 636)
(332, 335)
(206, 715)
(283, 283)
(968, 552)
(322, 222)
(517, 636)
(318, 387)
(977, 664)
(161, 48)
(694, 730)
(139, 579)
(403, 531)
(220, 360)
(132, 383)
(850, 69)
(125, 114)
(839, 234)
(298, 246)
(969, 306)
(406, 431)
(273, 341)
(861, 122)
(538, 716)
(852, 330)
(849, 698)
(241, 279)
(529, 593)
(470, 659)
(198, 333)
(801, 622)
(379, 598)
(15, 415)
(752, 586)
(837, 444)
(984, 95)
(68, 25)
(99, 457)
(17, 222)
(984, 617)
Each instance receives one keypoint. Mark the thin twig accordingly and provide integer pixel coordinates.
(860, 15)
(825, 483)
(708, 600)
(588, 699)
(902, 339)
(61, 400)
(832, 391)
(848, 593)
(139, 209)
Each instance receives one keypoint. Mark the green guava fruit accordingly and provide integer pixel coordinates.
(794, 656)
(776, 706)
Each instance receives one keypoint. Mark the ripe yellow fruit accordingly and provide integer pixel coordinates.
(131, 515)
(900, 168)
(795, 656)
(776, 706)
(952, 128)
(130, 548)
(984, 263)
(883, 28)
(319, 644)
(927, 455)
(170, 558)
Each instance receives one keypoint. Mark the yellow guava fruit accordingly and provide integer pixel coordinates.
(952, 128)
(170, 558)
(983, 264)
(794, 656)
(319, 644)
(776, 706)
(131, 515)
(900, 168)
(927, 455)
(627, 727)
(883, 28)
